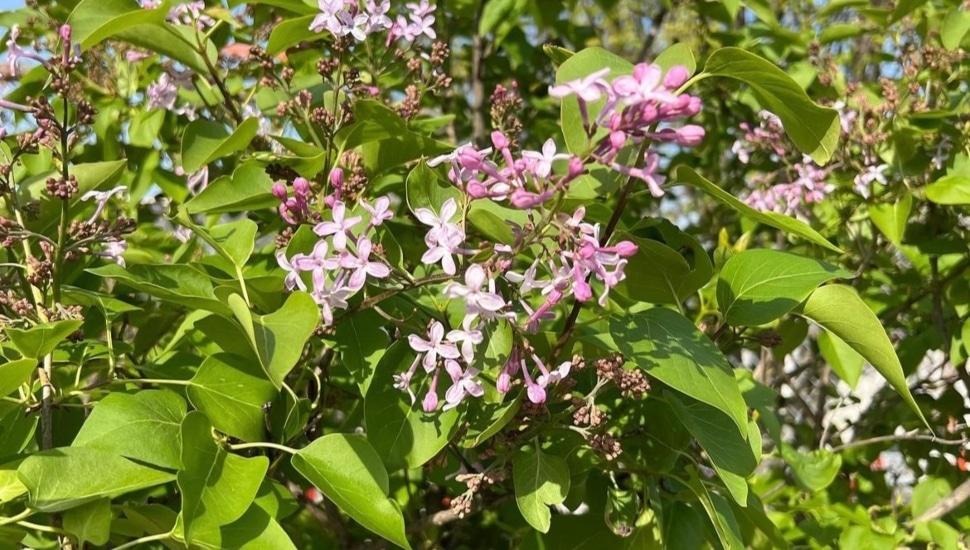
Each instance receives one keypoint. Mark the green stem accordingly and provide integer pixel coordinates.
(143, 540)
(263, 445)
(19, 517)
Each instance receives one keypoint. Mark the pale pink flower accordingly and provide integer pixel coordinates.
(434, 346)
(339, 227)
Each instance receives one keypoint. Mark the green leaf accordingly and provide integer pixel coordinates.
(176, 283)
(425, 190)
(361, 344)
(204, 141)
(492, 220)
(787, 224)
(669, 348)
(143, 426)
(541, 480)
(557, 54)
(732, 456)
(814, 470)
(891, 218)
(754, 512)
(348, 471)
(15, 373)
(92, 21)
(249, 189)
(60, 479)
(927, 493)
(90, 522)
(760, 285)
(678, 54)
(169, 40)
(404, 435)
(718, 511)
(40, 340)
(216, 487)
(581, 65)
(374, 121)
(953, 189)
(281, 335)
(955, 27)
(813, 129)
(10, 486)
(231, 391)
(16, 428)
(487, 419)
(839, 310)
(843, 359)
(146, 127)
(291, 32)
(256, 529)
(663, 275)
(233, 241)
(276, 500)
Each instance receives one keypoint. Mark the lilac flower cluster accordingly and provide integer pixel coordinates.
(347, 18)
(807, 188)
(636, 105)
(340, 262)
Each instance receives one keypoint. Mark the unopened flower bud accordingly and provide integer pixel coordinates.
(626, 248)
(337, 178)
(690, 135)
(499, 140)
(430, 402)
(301, 187)
(279, 191)
(676, 77)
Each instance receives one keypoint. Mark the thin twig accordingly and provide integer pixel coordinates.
(947, 504)
(908, 436)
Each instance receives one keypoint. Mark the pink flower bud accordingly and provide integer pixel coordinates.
(430, 402)
(301, 187)
(330, 200)
(476, 190)
(690, 135)
(576, 167)
(582, 291)
(676, 77)
(337, 178)
(523, 199)
(617, 140)
(279, 191)
(504, 382)
(65, 32)
(470, 158)
(536, 394)
(499, 140)
(626, 248)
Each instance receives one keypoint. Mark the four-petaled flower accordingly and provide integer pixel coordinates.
(434, 346)
(339, 227)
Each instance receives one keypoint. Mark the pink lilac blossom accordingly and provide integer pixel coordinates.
(15, 52)
(444, 238)
(341, 262)
(339, 227)
(296, 209)
(795, 197)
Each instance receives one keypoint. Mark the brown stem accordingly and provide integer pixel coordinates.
(947, 504)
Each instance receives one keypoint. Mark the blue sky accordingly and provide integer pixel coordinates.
(10, 4)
